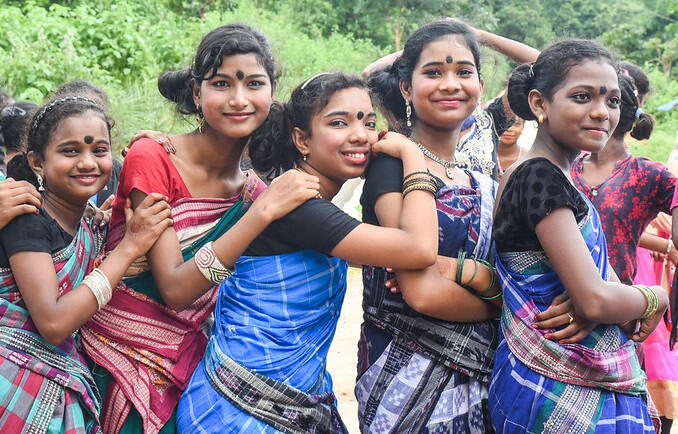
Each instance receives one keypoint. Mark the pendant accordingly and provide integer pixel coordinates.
(449, 172)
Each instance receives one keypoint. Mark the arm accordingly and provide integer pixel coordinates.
(57, 317)
(514, 50)
(17, 198)
(181, 283)
(380, 63)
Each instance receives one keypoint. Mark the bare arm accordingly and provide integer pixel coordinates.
(514, 50)
(56, 317)
(16, 198)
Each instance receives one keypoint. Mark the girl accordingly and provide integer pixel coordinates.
(264, 369)
(50, 287)
(435, 341)
(142, 364)
(508, 150)
(549, 241)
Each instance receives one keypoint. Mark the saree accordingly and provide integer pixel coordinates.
(427, 362)
(264, 369)
(150, 350)
(43, 387)
(538, 385)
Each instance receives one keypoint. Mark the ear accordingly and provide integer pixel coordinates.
(35, 162)
(300, 141)
(406, 90)
(538, 103)
(196, 92)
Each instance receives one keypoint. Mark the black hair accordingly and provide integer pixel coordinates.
(14, 119)
(385, 83)
(217, 44)
(640, 79)
(82, 88)
(271, 147)
(42, 125)
(550, 70)
(631, 119)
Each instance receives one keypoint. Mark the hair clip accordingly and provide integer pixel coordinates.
(12, 110)
(60, 101)
(530, 72)
(639, 112)
(312, 78)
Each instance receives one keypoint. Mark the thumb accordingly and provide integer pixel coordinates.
(128, 210)
(107, 203)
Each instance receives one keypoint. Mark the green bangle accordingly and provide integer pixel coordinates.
(475, 270)
(460, 265)
(493, 277)
(497, 295)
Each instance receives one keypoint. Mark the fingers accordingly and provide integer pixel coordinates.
(128, 210)
(151, 199)
(553, 321)
(107, 203)
(555, 311)
(18, 210)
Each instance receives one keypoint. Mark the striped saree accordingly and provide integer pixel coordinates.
(149, 350)
(46, 388)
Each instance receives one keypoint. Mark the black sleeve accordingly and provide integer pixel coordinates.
(385, 175)
(27, 233)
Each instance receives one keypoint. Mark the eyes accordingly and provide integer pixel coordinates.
(100, 150)
(585, 97)
(370, 124)
(253, 84)
(463, 72)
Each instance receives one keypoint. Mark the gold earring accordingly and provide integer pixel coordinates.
(305, 157)
(201, 119)
(540, 118)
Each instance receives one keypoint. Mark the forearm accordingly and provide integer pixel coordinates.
(381, 63)
(653, 242)
(514, 50)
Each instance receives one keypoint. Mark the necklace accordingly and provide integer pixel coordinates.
(448, 165)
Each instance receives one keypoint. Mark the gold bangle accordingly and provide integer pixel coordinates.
(651, 298)
(210, 266)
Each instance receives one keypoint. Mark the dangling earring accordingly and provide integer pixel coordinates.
(305, 157)
(40, 186)
(540, 118)
(408, 113)
(201, 119)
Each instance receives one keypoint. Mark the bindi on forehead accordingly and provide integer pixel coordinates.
(89, 140)
(603, 90)
(449, 59)
(240, 75)
(361, 115)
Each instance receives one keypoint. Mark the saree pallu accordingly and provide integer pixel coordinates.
(418, 373)
(264, 369)
(149, 349)
(541, 386)
(46, 388)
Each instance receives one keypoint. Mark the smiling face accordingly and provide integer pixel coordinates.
(77, 159)
(584, 111)
(237, 99)
(341, 135)
(445, 84)
(511, 135)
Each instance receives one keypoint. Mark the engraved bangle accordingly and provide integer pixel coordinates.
(100, 286)
(210, 266)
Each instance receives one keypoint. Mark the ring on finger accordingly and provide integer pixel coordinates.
(571, 318)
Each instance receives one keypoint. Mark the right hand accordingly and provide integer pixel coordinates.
(146, 223)
(17, 198)
(285, 193)
(161, 138)
(647, 325)
(394, 144)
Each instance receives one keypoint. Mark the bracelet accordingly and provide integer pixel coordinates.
(460, 265)
(668, 245)
(98, 283)
(210, 266)
(422, 186)
(418, 181)
(651, 298)
(493, 277)
(497, 295)
(417, 172)
(475, 270)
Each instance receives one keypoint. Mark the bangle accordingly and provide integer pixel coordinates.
(98, 283)
(475, 270)
(651, 298)
(460, 264)
(417, 172)
(668, 245)
(210, 266)
(497, 295)
(493, 277)
(420, 186)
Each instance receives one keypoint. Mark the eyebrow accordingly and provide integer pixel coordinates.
(459, 62)
(77, 142)
(589, 87)
(345, 113)
(221, 74)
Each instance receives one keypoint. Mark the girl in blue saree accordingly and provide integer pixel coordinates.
(264, 368)
(549, 242)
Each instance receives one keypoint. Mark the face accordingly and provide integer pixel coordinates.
(584, 110)
(237, 99)
(341, 136)
(77, 159)
(510, 136)
(445, 84)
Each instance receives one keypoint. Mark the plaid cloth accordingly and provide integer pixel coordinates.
(410, 365)
(275, 318)
(149, 349)
(44, 387)
(541, 386)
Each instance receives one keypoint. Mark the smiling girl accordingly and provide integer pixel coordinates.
(549, 242)
(50, 287)
(144, 362)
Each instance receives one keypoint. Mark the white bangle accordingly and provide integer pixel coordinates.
(210, 266)
(668, 246)
(100, 286)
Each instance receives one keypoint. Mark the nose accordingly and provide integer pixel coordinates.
(449, 83)
(86, 162)
(238, 100)
(599, 109)
(360, 134)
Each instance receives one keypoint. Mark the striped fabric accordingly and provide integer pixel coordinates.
(44, 387)
(275, 317)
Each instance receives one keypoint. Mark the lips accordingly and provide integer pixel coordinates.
(451, 102)
(86, 179)
(356, 156)
(240, 116)
(596, 131)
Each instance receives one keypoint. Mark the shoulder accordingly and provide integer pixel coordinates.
(384, 165)
(651, 166)
(146, 148)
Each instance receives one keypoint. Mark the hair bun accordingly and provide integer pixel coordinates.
(520, 84)
(176, 87)
(642, 129)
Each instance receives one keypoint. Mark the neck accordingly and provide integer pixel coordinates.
(613, 151)
(67, 214)
(545, 146)
(440, 142)
(328, 187)
(217, 154)
(507, 148)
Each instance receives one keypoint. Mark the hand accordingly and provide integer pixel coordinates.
(392, 283)
(394, 144)
(285, 193)
(161, 138)
(17, 198)
(658, 256)
(100, 216)
(647, 325)
(673, 253)
(559, 314)
(146, 223)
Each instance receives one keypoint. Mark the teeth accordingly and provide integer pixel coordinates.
(356, 155)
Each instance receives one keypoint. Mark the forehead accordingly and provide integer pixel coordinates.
(350, 100)
(450, 45)
(247, 63)
(78, 126)
(592, 72)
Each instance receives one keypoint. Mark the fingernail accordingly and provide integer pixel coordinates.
(547, 336)
(382, 133)
(534, 326)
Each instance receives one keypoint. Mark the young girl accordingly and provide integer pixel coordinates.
(436, 340)
(50, 287)
(144, 362)
(264, 369)
(549, 241)
(508, 150)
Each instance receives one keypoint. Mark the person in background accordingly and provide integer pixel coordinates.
(508, 150)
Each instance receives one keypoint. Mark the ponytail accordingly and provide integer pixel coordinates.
(19, 169)
(271, 147)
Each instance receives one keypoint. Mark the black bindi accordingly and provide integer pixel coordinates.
(448, 59)
(360, 115)
(89, 139)
(603, 90)
(240, 75)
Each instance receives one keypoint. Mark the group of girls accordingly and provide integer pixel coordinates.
(210, 301)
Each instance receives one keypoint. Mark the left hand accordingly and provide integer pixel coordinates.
(100, 216)
(560, 313)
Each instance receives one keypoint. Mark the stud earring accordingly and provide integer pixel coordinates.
(201, 119)
(408, 113)
(540, 118)
(305, 157)
(40, 182)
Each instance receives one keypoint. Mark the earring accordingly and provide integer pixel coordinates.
(201, 119)
(305, 157)
(408, 113)
(540, 118)
(40, 185)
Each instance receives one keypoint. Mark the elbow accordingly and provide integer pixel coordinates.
(174, 302)
(418, 302)
(53, 334)
(424, 256)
